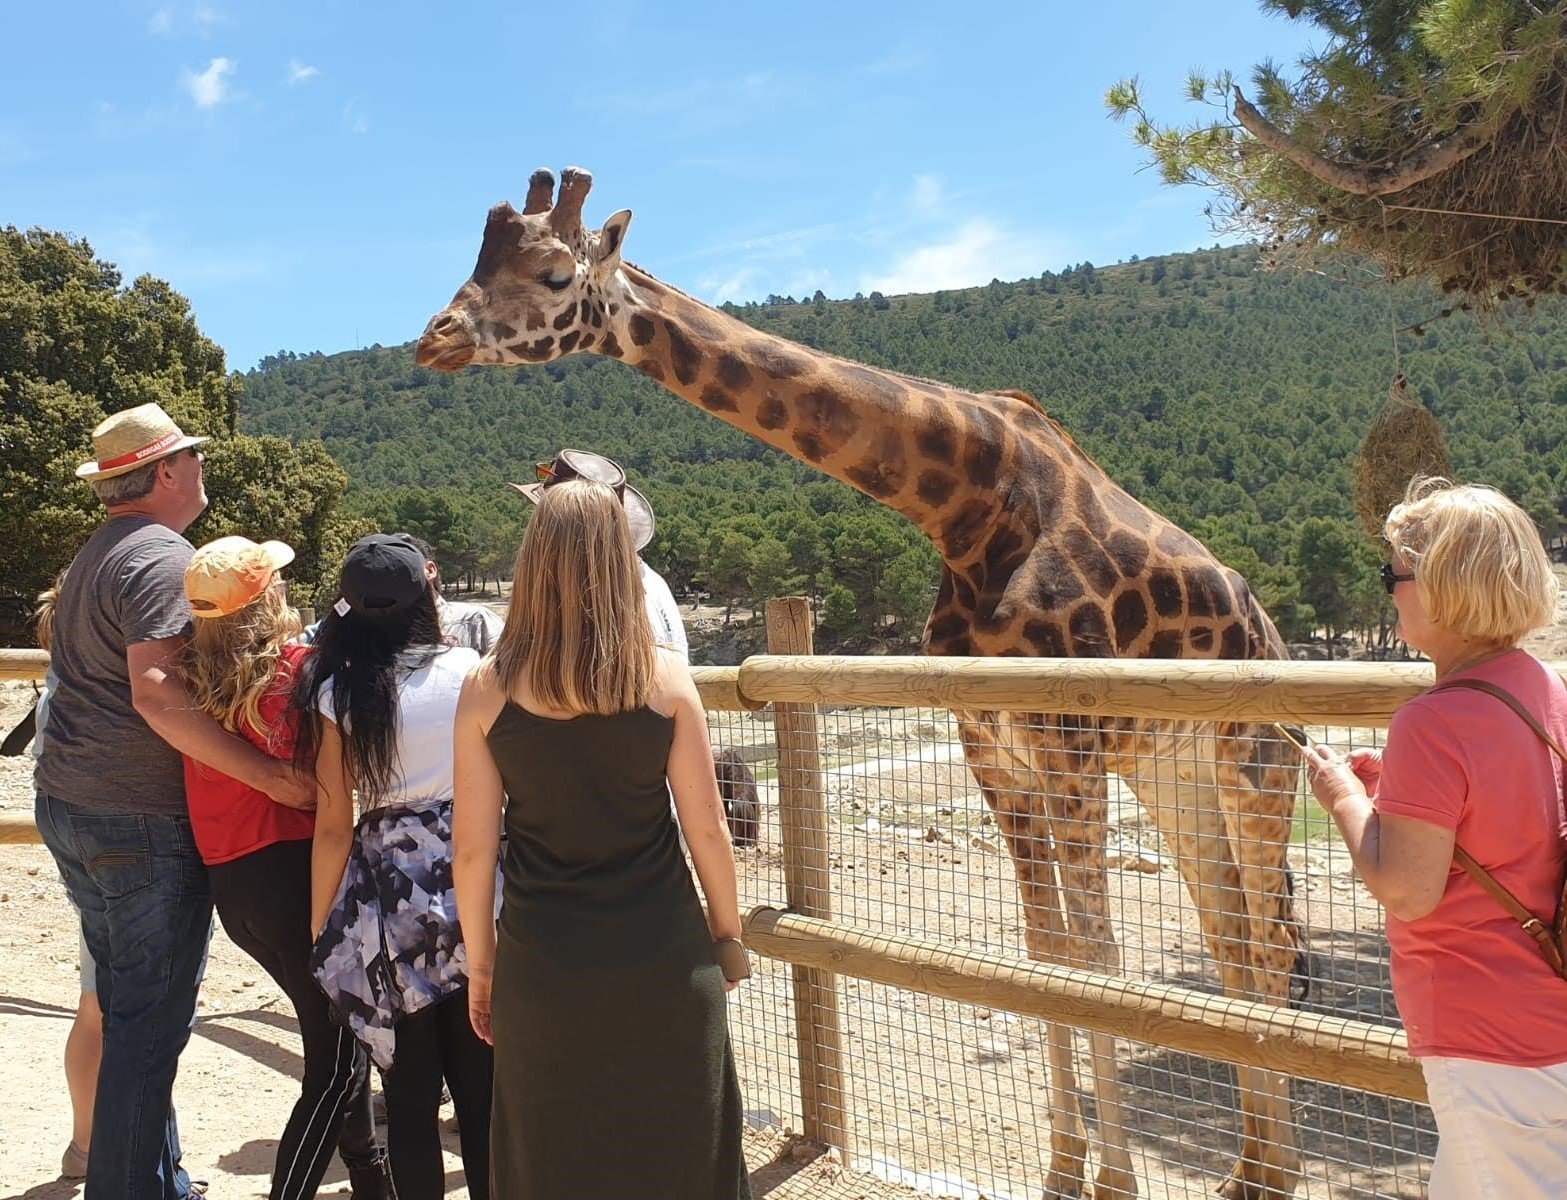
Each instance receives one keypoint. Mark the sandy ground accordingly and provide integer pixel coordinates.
(944, 1098)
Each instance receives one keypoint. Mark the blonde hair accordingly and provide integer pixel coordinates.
(43, 613)
(1477, 558)
(577, 631)
(230, 662)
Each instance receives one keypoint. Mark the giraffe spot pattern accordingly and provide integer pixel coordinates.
(885, 471)
(566, 319)
(535, 321)
(684, 354)
(641, 330)
(502, 332)
(652, 368)
(1089, 633)
(779, 362)
(810, 446)
(1202, 591)
(1164, 586)
(982, 450)
(732, 371)
(772, 413)
(1232, 642)
(1167, 643)
(1130, 617)
(964, 528)
(715, 399)
(611, 346)
(1201, 638)
(1046, 638)
(937, 442)
(1093, 564)
(828, 416)
(1129, 552)
(1090, 512)
(935, 488)
(568, 343)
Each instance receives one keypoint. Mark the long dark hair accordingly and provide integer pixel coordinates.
(365, 658)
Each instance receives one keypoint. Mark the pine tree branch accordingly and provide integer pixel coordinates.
(1363, 181)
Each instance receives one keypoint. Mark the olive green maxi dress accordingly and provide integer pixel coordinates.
(614, 1073)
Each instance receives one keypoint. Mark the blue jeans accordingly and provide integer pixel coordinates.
(146, 912)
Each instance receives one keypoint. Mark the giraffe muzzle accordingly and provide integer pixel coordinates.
(447, 344)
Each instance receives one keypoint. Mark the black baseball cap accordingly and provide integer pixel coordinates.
(384, 575)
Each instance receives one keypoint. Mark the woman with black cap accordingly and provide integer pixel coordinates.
(377, 702)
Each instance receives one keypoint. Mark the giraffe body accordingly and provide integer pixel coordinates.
(1044, 555)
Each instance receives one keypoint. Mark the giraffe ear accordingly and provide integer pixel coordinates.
(612, 237)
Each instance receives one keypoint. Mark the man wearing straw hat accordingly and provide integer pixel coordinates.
(111, 793)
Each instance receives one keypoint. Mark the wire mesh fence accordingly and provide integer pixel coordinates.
(956, 1099)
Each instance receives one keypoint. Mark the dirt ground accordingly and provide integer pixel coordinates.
(945, 1099)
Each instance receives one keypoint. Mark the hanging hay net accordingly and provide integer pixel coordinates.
(1404, 441)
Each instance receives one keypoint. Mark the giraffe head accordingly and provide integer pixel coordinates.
(538, 291)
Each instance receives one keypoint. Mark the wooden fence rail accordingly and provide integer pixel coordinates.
(1348, 1053)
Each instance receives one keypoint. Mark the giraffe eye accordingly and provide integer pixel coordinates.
(549, 280)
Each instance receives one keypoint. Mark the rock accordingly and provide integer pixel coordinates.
(32, 870)
(990, 1051)
(1149, 862)
(938, 835)
(991, 845)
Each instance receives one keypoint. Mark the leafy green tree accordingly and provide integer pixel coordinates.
(77, 345)
(727, 567)
(1404, 107)
(771, 574)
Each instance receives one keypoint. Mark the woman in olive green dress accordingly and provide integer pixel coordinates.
(603, 985)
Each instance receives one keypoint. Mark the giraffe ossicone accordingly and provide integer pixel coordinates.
(1043, 555)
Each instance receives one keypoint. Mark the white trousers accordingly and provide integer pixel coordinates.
(1502, 1130)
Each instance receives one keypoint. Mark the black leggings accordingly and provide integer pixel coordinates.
(438, 1043)
(263, 900)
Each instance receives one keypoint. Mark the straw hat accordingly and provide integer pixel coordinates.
(583, 464)
(230, 573)
(132, 439)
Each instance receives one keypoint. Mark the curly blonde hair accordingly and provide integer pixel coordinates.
(43, 612)
(230, 662)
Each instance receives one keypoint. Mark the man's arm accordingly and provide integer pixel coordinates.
(159, 697)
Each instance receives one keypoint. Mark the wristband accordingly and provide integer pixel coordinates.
(733, 960)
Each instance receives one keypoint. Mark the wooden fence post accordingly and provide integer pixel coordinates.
(802, 814)
(307, 615)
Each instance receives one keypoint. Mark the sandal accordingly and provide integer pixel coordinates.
(73, 1163)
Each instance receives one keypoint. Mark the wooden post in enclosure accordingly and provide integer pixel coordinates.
(802, 814)
(307, 615)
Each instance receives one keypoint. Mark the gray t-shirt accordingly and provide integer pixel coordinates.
(126, 586)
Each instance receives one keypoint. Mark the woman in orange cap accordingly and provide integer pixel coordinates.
(241, 669)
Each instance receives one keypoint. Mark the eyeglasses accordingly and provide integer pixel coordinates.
(543, 472)
(1391, 578)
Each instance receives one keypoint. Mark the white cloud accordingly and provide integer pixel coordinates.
(172, 20)
(212, 87)
(978, 252)
(739, 286)
(356, 118)
(298, 72)
(929, 196)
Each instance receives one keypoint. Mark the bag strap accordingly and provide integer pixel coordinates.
(1543, 935)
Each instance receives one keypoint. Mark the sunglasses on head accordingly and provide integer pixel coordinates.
(1391, 578)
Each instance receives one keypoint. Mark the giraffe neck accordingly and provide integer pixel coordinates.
(931, 452)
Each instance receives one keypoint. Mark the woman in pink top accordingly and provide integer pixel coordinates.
(1484, 1012)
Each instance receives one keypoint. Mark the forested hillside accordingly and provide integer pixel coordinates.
(1231, 399)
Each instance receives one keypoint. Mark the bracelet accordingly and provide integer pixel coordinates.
(733, 960)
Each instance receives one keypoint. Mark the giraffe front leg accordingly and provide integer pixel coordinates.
(1078, 825)
(1257, 796)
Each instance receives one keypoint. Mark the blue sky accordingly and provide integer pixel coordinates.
(314, 176)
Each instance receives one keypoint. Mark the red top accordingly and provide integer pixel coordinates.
(231, 819)
(1469, 982)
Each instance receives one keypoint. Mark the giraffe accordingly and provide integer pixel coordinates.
(1043, 554)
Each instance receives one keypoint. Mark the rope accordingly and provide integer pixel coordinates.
(1459, 212)
(1392, 315)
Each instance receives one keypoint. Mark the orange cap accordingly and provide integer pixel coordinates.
(226, 575)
